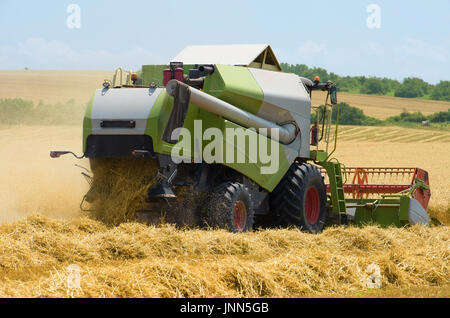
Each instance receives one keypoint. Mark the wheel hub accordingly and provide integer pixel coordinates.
(312, 205)
(240, 215)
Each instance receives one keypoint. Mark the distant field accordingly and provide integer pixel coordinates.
(51, 86)
(60, 86)
(391, 134)
(382, 107)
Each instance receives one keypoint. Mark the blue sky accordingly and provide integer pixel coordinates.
(413, 38)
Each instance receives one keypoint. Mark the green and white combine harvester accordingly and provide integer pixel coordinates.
(212, 91)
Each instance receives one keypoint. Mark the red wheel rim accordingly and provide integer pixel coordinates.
(240, 215)
(312, 205)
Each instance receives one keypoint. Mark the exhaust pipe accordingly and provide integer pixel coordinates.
(287, 132)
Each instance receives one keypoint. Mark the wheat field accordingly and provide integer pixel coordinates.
(135, 260)
(51, 87)
(43, 233)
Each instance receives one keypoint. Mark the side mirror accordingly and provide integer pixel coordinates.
(333, 95)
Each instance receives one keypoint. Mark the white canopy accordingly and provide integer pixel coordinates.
(238, 54)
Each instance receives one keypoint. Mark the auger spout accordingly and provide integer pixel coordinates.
(287, 132)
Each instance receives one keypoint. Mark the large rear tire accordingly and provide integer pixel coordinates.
(230, 207)
(300, 199)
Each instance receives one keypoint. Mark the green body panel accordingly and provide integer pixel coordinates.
(318, 155)
(232, 84)
(382, 215)
(152, 73)
(235, 85)
(87, 123)
(403, 215)
(253, 170)
(157, 121)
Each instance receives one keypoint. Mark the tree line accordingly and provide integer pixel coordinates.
(349, 115)
(411, 87)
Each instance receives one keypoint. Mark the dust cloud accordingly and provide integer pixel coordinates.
(31, 181)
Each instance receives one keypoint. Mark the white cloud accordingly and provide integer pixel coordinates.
(309, 48)
(375, 47)
(39, 53)
(408, 57)
(400, 59)
(419, 48)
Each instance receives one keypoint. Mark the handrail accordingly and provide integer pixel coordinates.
(127, 81)
(336, 131)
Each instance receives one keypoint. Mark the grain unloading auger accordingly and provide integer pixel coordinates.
(231, 141)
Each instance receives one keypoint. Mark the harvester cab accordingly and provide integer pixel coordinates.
(230, 141)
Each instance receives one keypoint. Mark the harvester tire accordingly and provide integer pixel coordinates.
(230, 207)
(300, 199)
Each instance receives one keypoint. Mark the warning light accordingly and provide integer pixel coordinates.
(55, 154)
(134, 78)
(317, 79)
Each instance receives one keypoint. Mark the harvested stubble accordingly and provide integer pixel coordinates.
(135, 260)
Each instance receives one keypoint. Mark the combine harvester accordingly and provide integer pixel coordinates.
(223, 91)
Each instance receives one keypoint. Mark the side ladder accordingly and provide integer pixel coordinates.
(334, 173)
